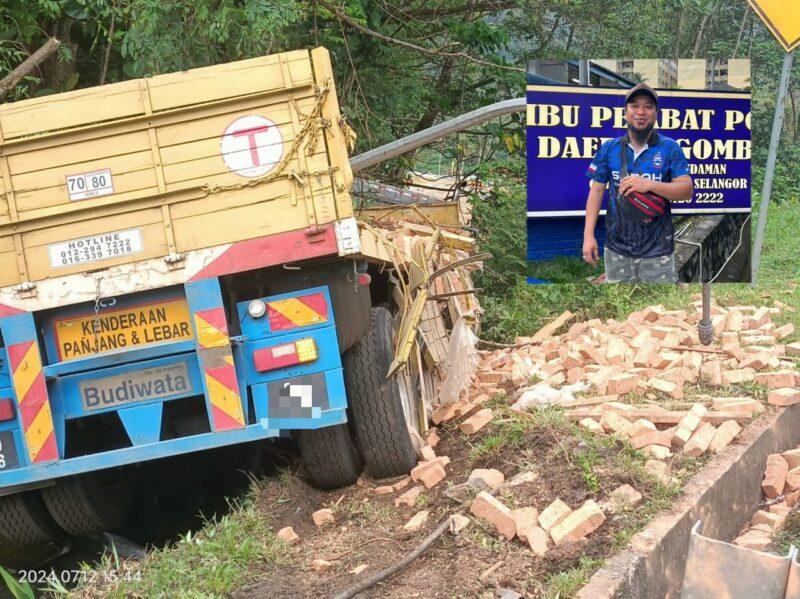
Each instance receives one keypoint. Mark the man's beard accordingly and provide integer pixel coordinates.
(640, 136)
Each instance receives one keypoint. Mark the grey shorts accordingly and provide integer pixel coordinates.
(623, 269)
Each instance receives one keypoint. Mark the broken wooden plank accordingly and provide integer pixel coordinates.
(408, 332)
(550, 328)
(431, 326)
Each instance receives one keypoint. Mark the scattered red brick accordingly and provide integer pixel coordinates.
(774, 475)
(493, 478)
(476, 422)
(322, 517)
(489, 508)
(288, 535)
(578, 524)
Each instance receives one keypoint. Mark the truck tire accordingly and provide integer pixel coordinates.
(379, 421)
(330, 458)
(90, 503)
(24, 521)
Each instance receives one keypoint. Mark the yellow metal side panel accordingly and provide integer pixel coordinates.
(71, 109)
(201, 139)
(216, 118)
(149, 222)
(244, 77)
(110, 127)
(29, 158)
(8, 262)
(334, 135)
(47, 187)
(246, 221)
(3, 201)
(203, 160)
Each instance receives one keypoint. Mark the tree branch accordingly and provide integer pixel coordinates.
(390, 40)
(10, 81)
(107, 55)
(469, 7)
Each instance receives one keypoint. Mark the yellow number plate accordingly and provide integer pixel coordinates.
(123, 328)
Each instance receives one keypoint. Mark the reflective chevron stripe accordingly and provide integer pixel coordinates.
(220, 375)
(32, 400)
(297, 311)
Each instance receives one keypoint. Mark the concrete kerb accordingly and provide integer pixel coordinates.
(724, 496)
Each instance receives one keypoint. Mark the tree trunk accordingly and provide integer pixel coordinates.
(56, 72)
(10, 81)
(741, 30)
(434, 102)
(676, 48)
(699, 37)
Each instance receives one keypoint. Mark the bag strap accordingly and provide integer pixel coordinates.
(623, 157)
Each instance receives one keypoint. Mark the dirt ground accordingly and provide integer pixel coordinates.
(368, 528)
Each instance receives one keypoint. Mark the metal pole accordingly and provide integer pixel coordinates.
(769, 171)
(583, 72)
(426, 136)
(705, 328)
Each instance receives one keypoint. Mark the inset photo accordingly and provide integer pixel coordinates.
(639, 171)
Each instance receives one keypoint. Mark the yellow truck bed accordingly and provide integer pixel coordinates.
(164, 166)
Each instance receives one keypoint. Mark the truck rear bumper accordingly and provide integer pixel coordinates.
(30, 477)
(282, 373)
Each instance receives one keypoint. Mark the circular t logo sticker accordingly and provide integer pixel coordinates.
(251, 146)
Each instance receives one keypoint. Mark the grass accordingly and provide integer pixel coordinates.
(787, 535)
(567, 583)
(517, 308)
(564, 270)
(212, 562)
(587, 460)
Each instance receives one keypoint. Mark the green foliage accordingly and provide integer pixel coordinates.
(211, 562)
(18, 590)
(499, 219)
(181, 34)
(586, 462)
(566, 584)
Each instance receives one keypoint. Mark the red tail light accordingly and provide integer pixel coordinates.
(6, 409)
(286, 354)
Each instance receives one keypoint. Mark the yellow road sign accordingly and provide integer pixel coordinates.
(783, 19)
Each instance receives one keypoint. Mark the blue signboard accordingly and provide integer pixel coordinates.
(566, 125)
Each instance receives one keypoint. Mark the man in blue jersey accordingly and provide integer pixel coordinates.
(640, 245)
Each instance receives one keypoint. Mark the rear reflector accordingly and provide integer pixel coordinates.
(6, 409)
(286, 354)
(298, 311)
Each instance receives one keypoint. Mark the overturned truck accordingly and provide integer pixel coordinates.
(181, 269)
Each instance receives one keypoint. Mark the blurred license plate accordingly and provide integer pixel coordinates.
(8, 452)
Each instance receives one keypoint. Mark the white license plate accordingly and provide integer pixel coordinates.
(90, 185)
(95, 248)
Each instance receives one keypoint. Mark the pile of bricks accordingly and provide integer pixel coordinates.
(557, 524)
(691, 432)
(657, 351)
(781, 490)
(651, 355)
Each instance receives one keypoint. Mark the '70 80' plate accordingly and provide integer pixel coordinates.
(95, 248)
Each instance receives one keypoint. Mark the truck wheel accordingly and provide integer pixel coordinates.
(24, 521)
(380, 420)
(90, 503)
(330, 458)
